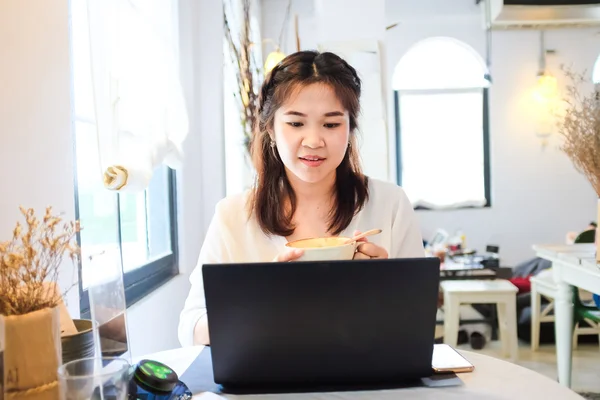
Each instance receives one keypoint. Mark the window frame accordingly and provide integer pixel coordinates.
(486, 142)
(141, 281)
(147, 277)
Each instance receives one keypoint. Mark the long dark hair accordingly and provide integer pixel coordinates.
(272, 188)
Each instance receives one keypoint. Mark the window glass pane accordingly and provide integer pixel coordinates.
(146, 222)
(596, 74)
(97, 206)
(134, 237)
(442, 156)
(159, 216)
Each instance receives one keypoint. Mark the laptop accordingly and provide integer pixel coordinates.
(321, 323)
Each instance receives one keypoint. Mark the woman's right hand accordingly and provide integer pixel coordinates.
(289, 255)
(201, 335)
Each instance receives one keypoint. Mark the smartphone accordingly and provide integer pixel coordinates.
(447, 359)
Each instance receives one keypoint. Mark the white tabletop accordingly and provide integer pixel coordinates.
(565, 250)
(488, 286)
(492, 379)
(580, 259)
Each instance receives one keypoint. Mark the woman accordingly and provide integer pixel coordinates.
(308, 181)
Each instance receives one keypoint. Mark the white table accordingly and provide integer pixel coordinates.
(572, 265)
(492, 379)
(498, 292)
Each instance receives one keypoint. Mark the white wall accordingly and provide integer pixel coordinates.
(537, 196)
(272, 16)
(536, 193)
(36, 148)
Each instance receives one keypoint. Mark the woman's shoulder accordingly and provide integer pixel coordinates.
(234, 201)
(384, 194)
(385, 189)
(233, 208)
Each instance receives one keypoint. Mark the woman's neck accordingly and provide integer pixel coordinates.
(314, 202)
(317, 192)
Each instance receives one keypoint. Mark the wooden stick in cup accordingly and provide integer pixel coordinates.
(364, 234)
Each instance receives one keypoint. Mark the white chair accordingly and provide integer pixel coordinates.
(540, 286)
(500, 292)
(543, 285)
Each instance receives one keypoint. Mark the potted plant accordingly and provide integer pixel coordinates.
(30, 332)
(580, 128)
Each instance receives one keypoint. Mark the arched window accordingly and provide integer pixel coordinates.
(440, 90)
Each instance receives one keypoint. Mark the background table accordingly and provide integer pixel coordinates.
(492, 379)
(572, 265)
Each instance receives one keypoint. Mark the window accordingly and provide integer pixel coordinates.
(136, 229)
(442, 135)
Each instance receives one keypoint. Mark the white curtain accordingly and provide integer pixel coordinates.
(140, 111)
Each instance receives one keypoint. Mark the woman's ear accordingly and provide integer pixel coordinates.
(352, 141)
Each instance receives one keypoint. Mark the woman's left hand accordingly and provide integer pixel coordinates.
(367, 250)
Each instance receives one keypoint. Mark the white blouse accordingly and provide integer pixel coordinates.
(233, 238)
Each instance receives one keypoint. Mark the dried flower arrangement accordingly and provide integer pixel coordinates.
(31, 260)
(580, 128)
(248, 71)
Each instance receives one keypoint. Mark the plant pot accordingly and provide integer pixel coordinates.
(78, 345)
(32, 354)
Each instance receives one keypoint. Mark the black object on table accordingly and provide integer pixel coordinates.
(152, 380)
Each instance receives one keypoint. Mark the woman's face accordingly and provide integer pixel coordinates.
(311, 131)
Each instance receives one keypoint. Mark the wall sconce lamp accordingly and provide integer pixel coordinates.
(545, 97)
(273, 58)
(546, 88)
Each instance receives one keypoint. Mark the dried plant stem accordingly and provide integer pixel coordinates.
(31, 260)
(580, 128)
(247, 71)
